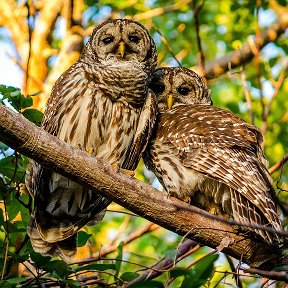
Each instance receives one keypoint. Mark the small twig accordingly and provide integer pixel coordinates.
(185, 249)
(265, 282)
(275, 275)
(234, 59)
(277, 165)
(7, 239)
(192, 264)
(123, 212)
(167, 45)
(247, 95)
(135, 235)
(235, 271)
(267, 109)
(121, 229)
(160, 11)
(201, 57)
(230, 221)
(29, 16)
(256, 51)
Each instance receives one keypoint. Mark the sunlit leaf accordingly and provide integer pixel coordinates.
(33, 115)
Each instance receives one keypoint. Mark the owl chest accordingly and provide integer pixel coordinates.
(99, 125)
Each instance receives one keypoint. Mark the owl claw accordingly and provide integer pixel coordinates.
(215, 209)
(185, 199)
(130, 173)
(90, 150)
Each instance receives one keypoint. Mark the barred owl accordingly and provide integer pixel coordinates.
(102, 104)
(208, 154)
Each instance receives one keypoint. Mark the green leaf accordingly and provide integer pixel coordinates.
(96, 267)
(200, 273)
(12, 227)
(129, 276)
(1, 217)
(39, 260)
(16, 280)
(119, 257)
(174, 273)
(82, 238)
(15, 97)
(10, 170)
(33, 115)
(147, 284)
(58, 268)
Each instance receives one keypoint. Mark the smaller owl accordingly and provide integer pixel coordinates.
(209, 155)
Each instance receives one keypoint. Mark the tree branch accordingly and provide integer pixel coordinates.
(243, 55)
(183, 250)
(140, 198)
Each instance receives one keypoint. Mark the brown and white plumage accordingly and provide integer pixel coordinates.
(209, 154)
(97, 105)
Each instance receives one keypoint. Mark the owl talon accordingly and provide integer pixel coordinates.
(215, 209)
(90, 150)
(118, 168)
(186, 199)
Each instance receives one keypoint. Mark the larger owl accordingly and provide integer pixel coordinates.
(101, 104)
(208, 154)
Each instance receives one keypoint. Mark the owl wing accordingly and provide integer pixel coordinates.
(145, 128)
(220, 145)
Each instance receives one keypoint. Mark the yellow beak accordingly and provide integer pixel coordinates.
(170, 101)
(121, 48)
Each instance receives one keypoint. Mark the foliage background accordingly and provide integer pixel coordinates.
(45, 38)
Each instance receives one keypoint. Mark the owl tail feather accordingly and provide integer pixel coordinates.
(66, 249)
(245, 212)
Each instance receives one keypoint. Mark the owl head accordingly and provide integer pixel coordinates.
(120, 41)
(174, 86)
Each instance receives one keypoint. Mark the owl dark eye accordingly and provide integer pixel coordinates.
(134, 38)
(157, 88)
(183, 90)
(108, 40)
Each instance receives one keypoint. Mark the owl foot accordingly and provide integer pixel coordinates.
(130, 173)
(185, 199)
(215, 209)
(90, 150)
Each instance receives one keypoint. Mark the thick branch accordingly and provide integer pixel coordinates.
(243, 55)
(132, 194)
